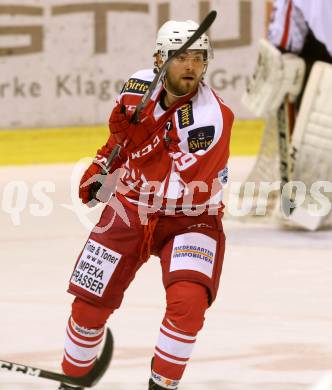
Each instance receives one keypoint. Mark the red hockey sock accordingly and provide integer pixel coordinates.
(173, 350)
(81, 348)
(84, 334)
(186, 305)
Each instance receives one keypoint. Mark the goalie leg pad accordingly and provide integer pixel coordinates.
(275, 76)
(312, 143)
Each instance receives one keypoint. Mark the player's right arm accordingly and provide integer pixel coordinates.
(129, 97)
(91, 180)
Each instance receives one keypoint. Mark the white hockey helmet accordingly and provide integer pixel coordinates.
(172, 35)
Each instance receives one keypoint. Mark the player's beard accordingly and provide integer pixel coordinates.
(179, 86)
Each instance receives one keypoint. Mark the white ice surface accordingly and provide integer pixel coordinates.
(270, 327)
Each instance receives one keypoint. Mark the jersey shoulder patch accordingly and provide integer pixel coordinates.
(139, 82)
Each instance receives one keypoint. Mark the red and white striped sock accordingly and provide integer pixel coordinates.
(172, 352)
(81, 348)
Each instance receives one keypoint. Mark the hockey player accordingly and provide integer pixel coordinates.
(178, 154)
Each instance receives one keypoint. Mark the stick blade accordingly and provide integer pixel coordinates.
(203, 27)
(301, 217)
(210, 17)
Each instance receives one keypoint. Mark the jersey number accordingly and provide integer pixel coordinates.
(183, 161)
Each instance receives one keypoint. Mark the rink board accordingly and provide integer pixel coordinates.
(69, 144)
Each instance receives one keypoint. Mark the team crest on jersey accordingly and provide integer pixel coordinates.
(136, 86)
(185, 115)
(200, 139)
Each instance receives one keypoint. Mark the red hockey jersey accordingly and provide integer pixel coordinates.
(183, 167)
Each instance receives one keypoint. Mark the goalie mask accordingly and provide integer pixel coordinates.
(172, 35)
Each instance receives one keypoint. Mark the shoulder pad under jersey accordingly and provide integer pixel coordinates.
(139, 82)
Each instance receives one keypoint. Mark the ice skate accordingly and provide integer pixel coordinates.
(155, 386)
(64, 386)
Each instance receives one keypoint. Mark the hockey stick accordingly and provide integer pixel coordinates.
(87, 380)
(295, 213)
(206, 23)
(284, 155)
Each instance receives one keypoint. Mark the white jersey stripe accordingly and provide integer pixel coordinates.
(78, 352)
(169, 359)
(82, 341)
(174, 347)
(179, 335)
(78, 364)
(84, 332)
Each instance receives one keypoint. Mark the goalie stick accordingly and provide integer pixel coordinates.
(292, 211)
(284, 131)
(206, 23)
(87, 380)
